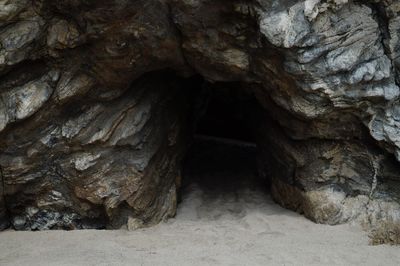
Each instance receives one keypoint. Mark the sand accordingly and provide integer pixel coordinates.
(249, 230)
(220, 221)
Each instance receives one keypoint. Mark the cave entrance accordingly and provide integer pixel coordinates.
(220, 176)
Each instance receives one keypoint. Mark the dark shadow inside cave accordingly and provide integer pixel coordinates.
(221, 163)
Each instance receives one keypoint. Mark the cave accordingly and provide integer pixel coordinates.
(221, 161)
(106, 108)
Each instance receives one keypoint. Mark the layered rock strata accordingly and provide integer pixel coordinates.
(96, 113)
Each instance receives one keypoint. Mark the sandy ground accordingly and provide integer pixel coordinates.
(235, 224)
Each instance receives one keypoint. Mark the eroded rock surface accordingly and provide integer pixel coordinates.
(93, 126)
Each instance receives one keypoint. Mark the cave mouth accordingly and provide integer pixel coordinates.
(220, 170)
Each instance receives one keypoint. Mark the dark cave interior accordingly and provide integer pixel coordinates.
(223, 156)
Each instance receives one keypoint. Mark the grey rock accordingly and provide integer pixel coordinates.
(96, 110)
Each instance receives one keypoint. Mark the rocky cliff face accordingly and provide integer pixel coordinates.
(97, 105)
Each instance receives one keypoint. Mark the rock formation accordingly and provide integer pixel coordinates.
(98, 99)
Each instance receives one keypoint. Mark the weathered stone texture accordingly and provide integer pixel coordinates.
(93, 126)
(97, 161)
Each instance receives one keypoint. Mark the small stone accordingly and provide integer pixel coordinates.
(19, 222)
(134, 224)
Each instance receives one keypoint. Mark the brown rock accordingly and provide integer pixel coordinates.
(98, 101)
